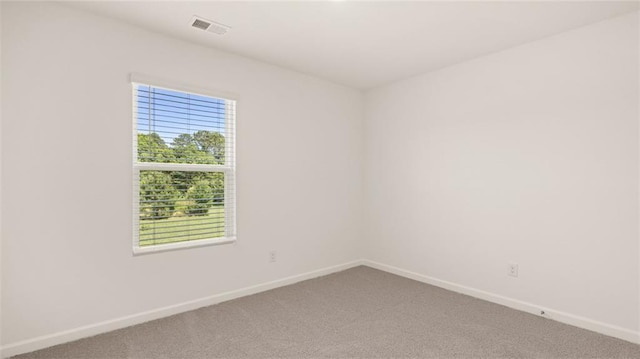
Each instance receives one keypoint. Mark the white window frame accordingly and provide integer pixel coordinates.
(229, 168)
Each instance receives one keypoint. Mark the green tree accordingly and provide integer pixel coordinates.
(159, 191)
(157, 195)
(185, 149)
(211, 143)
(152, 148)
(200, 198)
(216, 181)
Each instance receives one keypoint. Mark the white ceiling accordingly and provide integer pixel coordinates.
(363, 44)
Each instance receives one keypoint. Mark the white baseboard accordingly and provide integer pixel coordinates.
(46, 341)
(563, 317)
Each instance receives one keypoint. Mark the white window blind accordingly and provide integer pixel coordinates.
(184, 168)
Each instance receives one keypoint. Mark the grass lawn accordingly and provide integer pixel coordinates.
(183, 228)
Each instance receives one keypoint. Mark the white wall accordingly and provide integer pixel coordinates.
(529, 155)
(66, 152)
(1, 170)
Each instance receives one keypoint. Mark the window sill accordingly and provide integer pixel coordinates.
(182, 245)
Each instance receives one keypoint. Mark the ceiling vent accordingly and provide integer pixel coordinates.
(210, 26)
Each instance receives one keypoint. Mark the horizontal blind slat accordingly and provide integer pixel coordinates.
(213, 223)
(142, 99)
(174, 94)
(156, 234)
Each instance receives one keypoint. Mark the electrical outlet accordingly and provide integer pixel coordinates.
(512, 269)
(272, 256)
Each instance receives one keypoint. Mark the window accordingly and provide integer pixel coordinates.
(183, 168)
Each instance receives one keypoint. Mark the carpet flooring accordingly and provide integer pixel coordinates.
(357, 313)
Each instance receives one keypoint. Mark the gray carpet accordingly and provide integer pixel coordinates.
(358, 313)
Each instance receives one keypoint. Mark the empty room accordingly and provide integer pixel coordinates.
(319, 179)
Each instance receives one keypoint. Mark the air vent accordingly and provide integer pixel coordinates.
(203, 25)
(210, 26)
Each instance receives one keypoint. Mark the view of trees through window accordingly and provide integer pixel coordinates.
(179, 128)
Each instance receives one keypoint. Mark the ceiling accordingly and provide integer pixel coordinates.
(363, 44)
